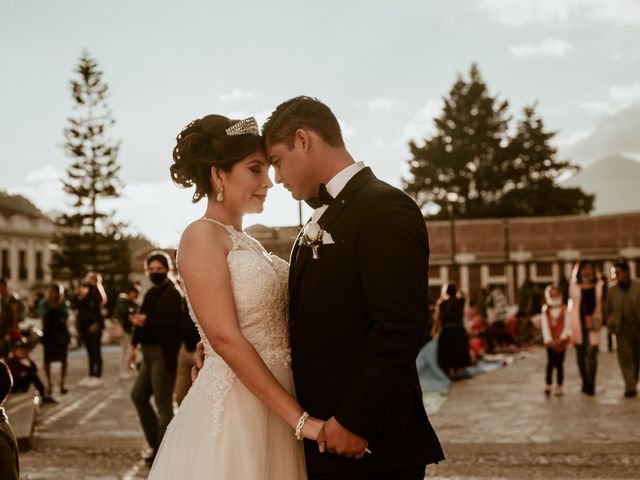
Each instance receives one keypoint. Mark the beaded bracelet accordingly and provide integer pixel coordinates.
(303, 418)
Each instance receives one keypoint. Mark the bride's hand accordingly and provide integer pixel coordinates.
(312, 428)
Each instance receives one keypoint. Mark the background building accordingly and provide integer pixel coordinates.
(504, 252)
(25, 244)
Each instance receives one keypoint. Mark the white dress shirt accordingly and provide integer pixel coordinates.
(336, 184)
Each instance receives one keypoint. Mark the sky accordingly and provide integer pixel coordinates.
(383, 67)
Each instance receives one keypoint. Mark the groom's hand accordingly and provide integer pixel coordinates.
(336, 439)
(198, 360)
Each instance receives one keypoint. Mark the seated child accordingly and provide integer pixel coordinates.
(25, 371)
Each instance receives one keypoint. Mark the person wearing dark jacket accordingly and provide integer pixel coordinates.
(9, 462)
(157, 334)
(126, 304)
(54, 312)
(90, 299)
(358, 286)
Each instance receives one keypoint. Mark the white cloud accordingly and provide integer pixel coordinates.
(421, 124)
(47, 173)
(521, 12)
(235, 95)
(575, 138)
(598, 108)
(348, 130)
(611, 135)
(44, 188)
(633, 155)
(550, 46)
(620, 98)
(381, 105)
(527, 11)
(626, 95)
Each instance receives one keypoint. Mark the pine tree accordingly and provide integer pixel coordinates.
(88, 238)
(92, 174)
(467, 152)
(491, 173)
(533, 171)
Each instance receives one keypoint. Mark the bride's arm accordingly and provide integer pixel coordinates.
(205, 272)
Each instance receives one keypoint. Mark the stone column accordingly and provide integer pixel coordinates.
(13, 260)
(31, 261)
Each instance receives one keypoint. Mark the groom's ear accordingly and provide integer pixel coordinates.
(303, 139)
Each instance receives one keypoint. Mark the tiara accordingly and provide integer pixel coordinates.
(248, 125)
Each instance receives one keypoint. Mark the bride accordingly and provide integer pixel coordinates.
(240, 419)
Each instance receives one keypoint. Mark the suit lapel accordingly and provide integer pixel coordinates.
(328, 217)
(293, 259)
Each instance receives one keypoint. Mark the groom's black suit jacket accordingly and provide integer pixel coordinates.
(358, 317)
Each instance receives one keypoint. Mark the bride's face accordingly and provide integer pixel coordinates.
(246, 185)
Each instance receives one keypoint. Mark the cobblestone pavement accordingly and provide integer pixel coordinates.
(496, 426)
(501, 426)
(92, 433)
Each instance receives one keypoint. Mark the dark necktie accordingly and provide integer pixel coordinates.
(323, 198)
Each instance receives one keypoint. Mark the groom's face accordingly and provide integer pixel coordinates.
(291, 167)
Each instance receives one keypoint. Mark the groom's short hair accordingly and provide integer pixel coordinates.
(302, 112)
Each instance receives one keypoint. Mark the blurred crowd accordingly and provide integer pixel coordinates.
(576, 313)
(157, 336)
(155, 333)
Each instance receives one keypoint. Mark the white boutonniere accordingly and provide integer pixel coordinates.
(313, 236)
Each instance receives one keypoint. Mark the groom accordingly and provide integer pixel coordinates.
(358, 310)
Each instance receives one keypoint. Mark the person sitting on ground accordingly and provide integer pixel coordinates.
(9, 462)
(25, 372)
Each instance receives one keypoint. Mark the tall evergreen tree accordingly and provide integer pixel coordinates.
(89, 239)
(92, 174)
(533, 171)
(492, 174)
(466, 153)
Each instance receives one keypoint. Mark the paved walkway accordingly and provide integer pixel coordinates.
(500, 425)
(92, 433)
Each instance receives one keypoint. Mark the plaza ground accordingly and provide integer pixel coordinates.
(498, 425)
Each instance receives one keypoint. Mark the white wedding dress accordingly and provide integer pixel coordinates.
(221, 430)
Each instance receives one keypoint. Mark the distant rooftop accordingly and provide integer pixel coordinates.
(17, 204)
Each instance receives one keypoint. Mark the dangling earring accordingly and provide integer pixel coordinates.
(220, 196)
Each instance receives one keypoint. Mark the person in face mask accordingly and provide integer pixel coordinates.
(555, 335)
(156, 334)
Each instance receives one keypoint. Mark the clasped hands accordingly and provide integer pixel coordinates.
(330, 435)
(334, 438)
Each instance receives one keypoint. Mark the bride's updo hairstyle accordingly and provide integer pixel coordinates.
(204, 144)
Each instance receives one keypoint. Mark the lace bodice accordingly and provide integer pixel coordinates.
(259, 283)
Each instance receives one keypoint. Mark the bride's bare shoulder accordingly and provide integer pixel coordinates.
(201, 236)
